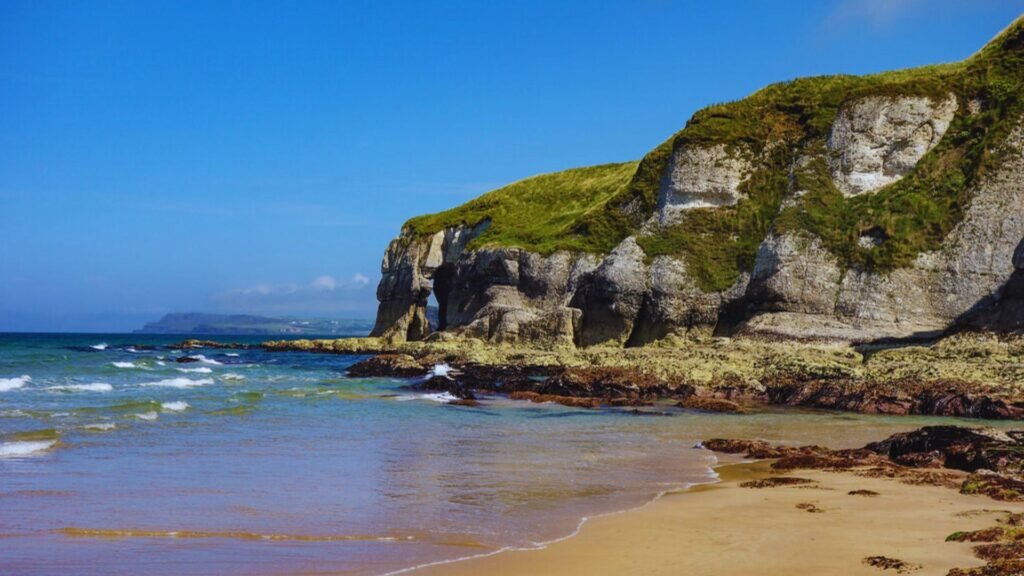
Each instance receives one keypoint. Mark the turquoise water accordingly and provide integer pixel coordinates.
(120, 460)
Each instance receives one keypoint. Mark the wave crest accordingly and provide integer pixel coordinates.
(7, 384)
(180, 383)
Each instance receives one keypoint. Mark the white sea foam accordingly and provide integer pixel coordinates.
(7, 384)
(124, 364)
(94, 387)
(180, 383)
(100, 346)
(442, 397)
(441, 370)
(27, 448)
(132, 349)
(176, 406)
(200, 370)
(161, 363)
(233, 376)
(102, 426)
(147, 416)
(205, 360)
(231, 354)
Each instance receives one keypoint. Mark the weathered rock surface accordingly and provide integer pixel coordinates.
(796, 288)
(702, 177)
(387, 365)
(879, 139)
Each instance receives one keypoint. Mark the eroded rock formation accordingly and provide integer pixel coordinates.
(939, 250)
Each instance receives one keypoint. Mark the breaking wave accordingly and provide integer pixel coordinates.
(94, 387)
(180, 383)
(200, 370)
(7, 384)
(26, 448)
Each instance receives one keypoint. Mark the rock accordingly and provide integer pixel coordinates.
(776, 481)
(994, 485)
(937, 397)
(591, 282)
(885, 563)
(466, 402)
(984, 535)
(706, 404)
(868, 493)
(608, 382)
(186, 359)
(998, 568)
(611, 299)
(702, 177)
(192, 344)
(454, 386)
(954, 447)
(387, 365)
(571, 401)
(1000, 551)
(877, 140)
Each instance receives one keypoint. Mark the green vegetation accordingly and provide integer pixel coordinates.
(717, 243)
(534, 213)
(594, 209)
(915, 214)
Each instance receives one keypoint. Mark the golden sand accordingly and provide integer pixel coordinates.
(724, 529)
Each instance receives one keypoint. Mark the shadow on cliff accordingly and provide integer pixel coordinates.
(1001, 313)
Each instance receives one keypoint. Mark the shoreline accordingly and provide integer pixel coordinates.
(726, 512)
(971, 375)
(715, 479)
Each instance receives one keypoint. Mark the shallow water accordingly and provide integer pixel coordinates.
(119, 460)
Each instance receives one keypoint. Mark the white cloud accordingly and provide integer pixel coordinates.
(324, 282)
(323, 294)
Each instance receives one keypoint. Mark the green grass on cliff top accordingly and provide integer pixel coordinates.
(594, 209)
(536, 213)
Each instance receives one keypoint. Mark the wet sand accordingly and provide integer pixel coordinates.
(724, 529)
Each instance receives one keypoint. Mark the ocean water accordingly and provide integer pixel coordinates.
(117, 459)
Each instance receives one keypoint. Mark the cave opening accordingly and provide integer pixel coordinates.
(443, 278)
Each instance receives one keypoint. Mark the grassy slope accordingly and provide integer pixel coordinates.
(593, 209)
(534, 213)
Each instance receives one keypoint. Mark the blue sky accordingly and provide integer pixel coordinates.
(258, 156)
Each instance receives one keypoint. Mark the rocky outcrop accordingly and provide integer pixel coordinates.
(799, 289)
(891, 210)
(702, 177)
(877, 140)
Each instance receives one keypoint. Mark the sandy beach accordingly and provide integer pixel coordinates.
(723, 528)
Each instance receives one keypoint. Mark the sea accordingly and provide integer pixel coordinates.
(116, 457)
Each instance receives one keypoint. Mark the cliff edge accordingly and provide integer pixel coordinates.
(852, 208)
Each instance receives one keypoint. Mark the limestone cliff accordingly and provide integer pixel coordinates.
(850, 208)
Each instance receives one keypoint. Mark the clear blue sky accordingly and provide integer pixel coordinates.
(258, 156)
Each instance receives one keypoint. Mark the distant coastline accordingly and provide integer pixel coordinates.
(247, 324)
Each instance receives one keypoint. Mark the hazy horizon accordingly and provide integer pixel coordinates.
(156, 158)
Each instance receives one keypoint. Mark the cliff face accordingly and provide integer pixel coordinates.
(853, 208)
